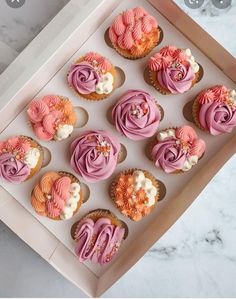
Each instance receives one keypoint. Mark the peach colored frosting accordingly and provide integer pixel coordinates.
(97, 241)
(134, 194)
(217, 112)
(52, 117)
(13, 165)
(136, 115)
(52, 195)
(175, 68)
(94, 155)
(177, 149)
(129, 27)
(91, 74)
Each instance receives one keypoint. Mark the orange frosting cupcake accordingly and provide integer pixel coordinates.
(57, 196)
(135, 193)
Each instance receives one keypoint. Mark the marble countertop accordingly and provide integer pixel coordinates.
(195, 258)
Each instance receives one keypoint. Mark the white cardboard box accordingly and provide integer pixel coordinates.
(41, 69)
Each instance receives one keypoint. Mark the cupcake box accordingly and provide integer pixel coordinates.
(43, 67)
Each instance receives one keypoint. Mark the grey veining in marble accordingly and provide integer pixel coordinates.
(195, 258)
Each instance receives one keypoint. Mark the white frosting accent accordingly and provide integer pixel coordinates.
(192, 160)
(32, 157)
(165, 134)
(140, 181)
(105, 85)
(232, 96)
(191, 60)
(63, 132)
(72, 201)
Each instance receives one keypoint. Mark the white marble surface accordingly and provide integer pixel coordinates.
(195, 258)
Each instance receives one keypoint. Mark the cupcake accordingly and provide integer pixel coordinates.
(134, 33)
(173, 70)
(20, 158)
(92, 77)
(136, 115)
(57, 196)
(94, 155)
(135, 193)
(98, 237)
(176, 150)
(52, 117)
(214, 110)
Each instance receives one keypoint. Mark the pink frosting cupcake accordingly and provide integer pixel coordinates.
(94, 155)
(134, 33)
(176, 150)
(52, 117)
(173, 70)
(214, 110)
(136, 115)
(98, 237)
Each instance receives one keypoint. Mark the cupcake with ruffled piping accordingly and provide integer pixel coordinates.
(52, 117)
(92, 77)
(94, 155)
(98, 237)
(136, 115)
(173, 70)
(58, 196)
(20, 158)
(135, 193)
(177, 150)
(134, 33)
(214, 110)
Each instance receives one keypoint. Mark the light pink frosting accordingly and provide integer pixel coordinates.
(97, 241)
(171, 153)
(130, 26)
(216, 114)
(94, 155)
(136, 115)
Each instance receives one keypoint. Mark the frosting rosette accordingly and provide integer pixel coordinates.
(94, 155)
(97, 240)
(176, 78)
(13, 170)
(19, 159)
(173, 70)
(177, 150)
(92, 76)
(57, 196)
(215, 110)
(52, 117)
(136, 115)
(83, 77)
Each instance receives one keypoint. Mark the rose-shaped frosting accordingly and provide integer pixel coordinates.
(83, 77)
(94, 155)
(168, 155)
(177, 149)
(176, 78)
(136, 115)
(217, 118)
(97, 241)
(13, 170)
